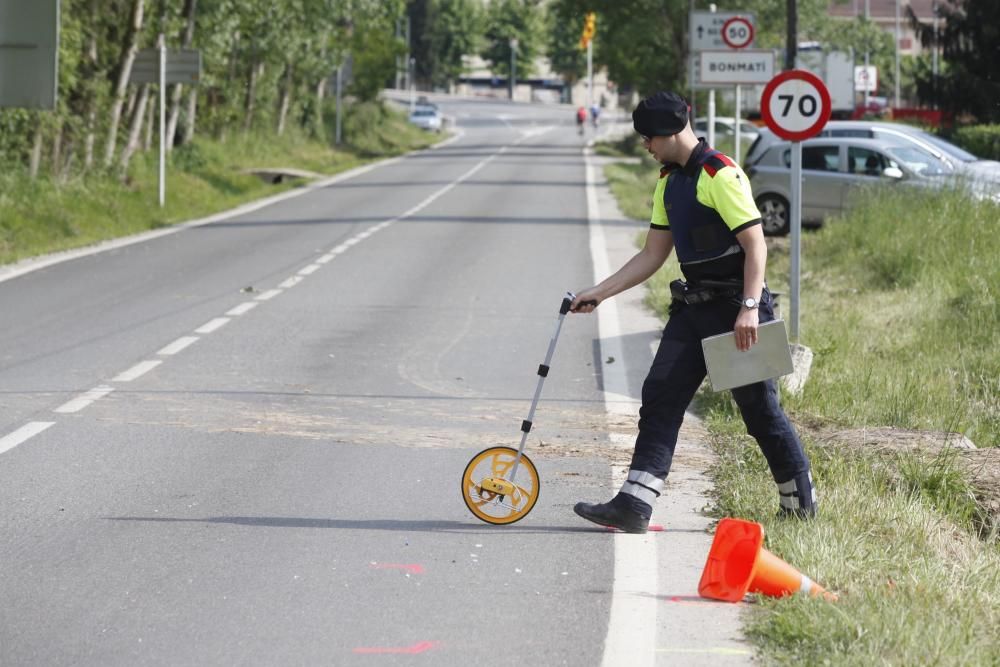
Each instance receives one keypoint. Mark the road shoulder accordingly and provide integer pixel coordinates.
(687, 628)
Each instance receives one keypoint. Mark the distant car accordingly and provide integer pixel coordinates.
(832, 169)
(427, 118)
(725, 126)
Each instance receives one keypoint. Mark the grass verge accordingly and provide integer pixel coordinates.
(899, 304)
(205, 177)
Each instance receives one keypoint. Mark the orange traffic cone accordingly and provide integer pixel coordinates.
(738, 563)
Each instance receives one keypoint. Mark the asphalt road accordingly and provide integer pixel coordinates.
(192, 479)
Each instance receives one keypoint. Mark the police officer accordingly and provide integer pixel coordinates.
(703, 208)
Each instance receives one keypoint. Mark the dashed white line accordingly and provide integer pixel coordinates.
(243, 308)
(268, 295)
(84, 399)
(291, 282)
(178, 345)
(137, 371)
(325, 258)
(212, 325)
(31, 429)
(309, 270)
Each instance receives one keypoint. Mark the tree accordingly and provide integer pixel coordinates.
(970, 40)
(453, 28)
(565, 26)
(513, 19)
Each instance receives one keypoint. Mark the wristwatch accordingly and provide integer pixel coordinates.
(749, 303)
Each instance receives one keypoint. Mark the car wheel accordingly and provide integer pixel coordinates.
(774, 215)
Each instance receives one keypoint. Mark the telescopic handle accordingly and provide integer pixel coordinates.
(568, 300)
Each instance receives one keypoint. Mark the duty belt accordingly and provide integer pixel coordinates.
(704, 291)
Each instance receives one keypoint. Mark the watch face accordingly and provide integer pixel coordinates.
(750, 302)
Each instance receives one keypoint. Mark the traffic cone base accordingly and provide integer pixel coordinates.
(738, 563)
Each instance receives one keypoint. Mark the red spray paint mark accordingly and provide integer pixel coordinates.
(654, 528)
(690, 600)
(409, 568)
(419, 647)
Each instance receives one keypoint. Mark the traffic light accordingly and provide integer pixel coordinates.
(589, 26)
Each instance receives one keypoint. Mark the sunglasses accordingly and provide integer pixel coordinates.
(645, 139)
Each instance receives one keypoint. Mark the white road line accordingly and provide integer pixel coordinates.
(268, 295)
(137, 371)
(632, 627)
(325, 258)
(243, 308)
(291, 282)
(212, 325)
(31, 429)
(84, 399)
(309, 270)
(178, 345)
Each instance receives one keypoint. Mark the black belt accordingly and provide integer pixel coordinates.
(704, 291)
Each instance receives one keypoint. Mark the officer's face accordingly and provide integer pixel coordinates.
(658, 147)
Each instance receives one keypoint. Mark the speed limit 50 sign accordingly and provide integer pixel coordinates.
(795, 105)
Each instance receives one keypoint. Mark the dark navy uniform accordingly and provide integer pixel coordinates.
(704, 204)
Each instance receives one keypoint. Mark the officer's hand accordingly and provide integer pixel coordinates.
(745, 329)
(585, 302)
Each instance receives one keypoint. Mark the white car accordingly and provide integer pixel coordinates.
(427, 118)
(725, 126)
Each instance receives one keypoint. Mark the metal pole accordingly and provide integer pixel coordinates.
(163, 121)
(340, 82)
(795, 214)
(711, 118)
(897, 53)
(934, 55)
(399, 64)
(590, 73)
(739, 103)
(411, 69)
(867, 50)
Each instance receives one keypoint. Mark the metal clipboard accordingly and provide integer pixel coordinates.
(769, 358)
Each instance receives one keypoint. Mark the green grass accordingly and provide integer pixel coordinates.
(900, 307)
(205, 177)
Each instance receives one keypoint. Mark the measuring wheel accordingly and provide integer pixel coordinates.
(498, 491)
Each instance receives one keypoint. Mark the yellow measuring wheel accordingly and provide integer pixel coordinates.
(500, 484)
(498, 487)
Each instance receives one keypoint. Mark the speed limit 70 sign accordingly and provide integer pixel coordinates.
(795, 105)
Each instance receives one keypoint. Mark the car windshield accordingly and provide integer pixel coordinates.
(424, 112)
(947, 147)
(920, 161)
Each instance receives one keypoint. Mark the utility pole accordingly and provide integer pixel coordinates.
(513, 66)
(792, 38)
(897, 53)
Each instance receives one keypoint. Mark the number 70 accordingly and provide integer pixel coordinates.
(808, 105)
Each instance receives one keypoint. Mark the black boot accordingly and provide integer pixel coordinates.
(613, 514)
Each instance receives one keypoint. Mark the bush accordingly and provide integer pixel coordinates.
(981, 140)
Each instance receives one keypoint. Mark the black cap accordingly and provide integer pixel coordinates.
(660, 115)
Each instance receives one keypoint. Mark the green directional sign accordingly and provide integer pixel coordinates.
(29, 53)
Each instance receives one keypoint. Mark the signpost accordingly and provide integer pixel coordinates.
(737, 32)
(717, 42)
(751, 66)
(164, 67)
(795, 105)
(865, 78)
(29, 53)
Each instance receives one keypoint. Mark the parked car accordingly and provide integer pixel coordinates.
(725, 126)
(426, 117)
(957, 158)
(833, 168)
